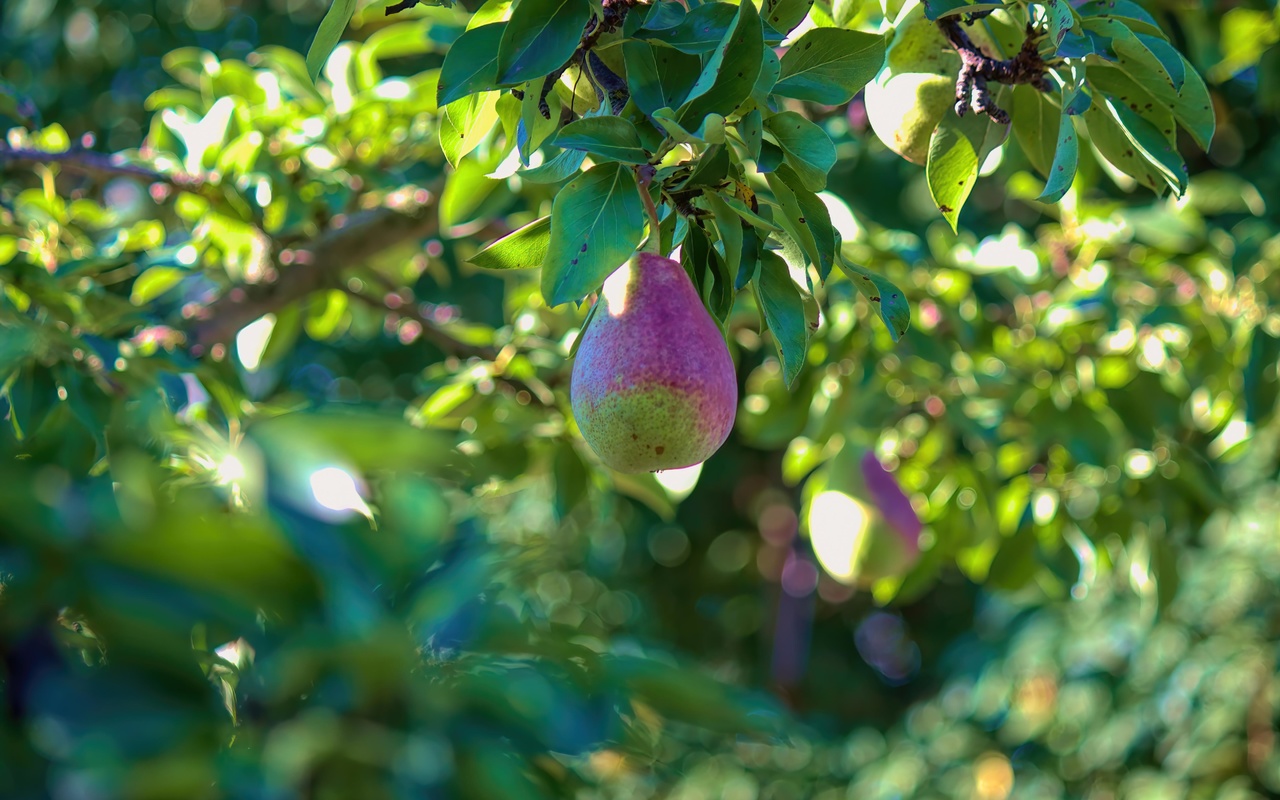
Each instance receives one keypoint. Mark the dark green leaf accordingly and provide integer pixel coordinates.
(471, 65)
(609, 137)
(658, 77)
(830, 65)
(1063, 170)
(751, 127)
(783, 310)
(730, 72)
(597, 222)
(540, 37)
(783, 15)
(700, 31)
(809, 150)
(564, 164)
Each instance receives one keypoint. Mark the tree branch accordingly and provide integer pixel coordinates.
(314, 266)
(977, 68)
(97, 165)
(615, 12)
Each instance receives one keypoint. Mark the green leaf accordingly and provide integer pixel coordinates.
(471, 65)
(325, 314)
(730, 73)
(540, 37)
(609, 137)
(534, 128)
(1060, 20)
(751, 128)
(658, 77)
(1035, 126)
(830, 65)
(701, 31)
(564, 164)
(469, 120)
(1109, 138)
(1170, 59)
(937, 9)
(806, 218)
(153, 283)
(329, 34)
(524, 248)
(465, 191)
(1154, 144)
(1063, 170)
(783, 15)
(729, 226)
(810, 152)
(887, 299)
(956, 151)
(711, 131)
(1135, 16)
(783, 310)
(597, 221)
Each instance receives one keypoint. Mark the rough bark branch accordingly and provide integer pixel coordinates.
(977, 68)
(96, 165)
(316, 265)
(615, 13)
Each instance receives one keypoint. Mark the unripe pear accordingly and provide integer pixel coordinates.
(861, 524)
(653, 385)
(915, 87)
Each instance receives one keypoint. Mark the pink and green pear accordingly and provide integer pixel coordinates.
(861, 524)
(653, 384)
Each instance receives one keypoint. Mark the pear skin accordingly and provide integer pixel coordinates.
(653, 384)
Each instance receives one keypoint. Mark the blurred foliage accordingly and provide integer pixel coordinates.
(269, 530)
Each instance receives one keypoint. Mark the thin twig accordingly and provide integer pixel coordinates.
(94, 164)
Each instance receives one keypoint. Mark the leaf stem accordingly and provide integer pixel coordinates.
(644, 176)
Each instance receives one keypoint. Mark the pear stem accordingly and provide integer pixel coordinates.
(644, 176)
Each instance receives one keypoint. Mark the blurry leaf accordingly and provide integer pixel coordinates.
(153, 283)
(1015, 562)
(597, 222)
(884, 297)
(328, 34)
(471, 65)
(830, 65)
(571, 479)
(31, 397)
(465, 192)
(540, 36)
(957, 149)
(783, 310)
(327, 310)
(809, 150)
(687, 696)
(524, 248)
(608, 137)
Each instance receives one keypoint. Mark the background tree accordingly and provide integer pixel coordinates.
(295, 503)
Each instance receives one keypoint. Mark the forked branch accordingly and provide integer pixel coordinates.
(977, 68)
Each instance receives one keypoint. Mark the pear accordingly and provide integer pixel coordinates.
(917, 84)
(653, 385)
(861, 524)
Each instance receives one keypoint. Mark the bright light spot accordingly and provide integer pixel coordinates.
(270, 85)
(1153, 353)
(1237, 431)
(992, 162)
(508, 167)
(1139, 464)
(1045, 506)
(313, 127)
(837, 526)
(842, 218)
(251, 341)
(1008, 251)
(321, 158)
(336, 490)
(336, 70)
(262, 193)
(1218, 280)
(992, 777)
(230, 470)
(679, 482)
(615, 289)
(187, 255)
(393, 89)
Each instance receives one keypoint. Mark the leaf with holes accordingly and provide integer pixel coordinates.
(783, 310)
(886, 298)
(957, 149)
(540, 37)
(830, 65)
(597, 222)
(329, 34)
(1063, 170)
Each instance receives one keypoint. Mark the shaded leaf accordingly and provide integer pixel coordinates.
(597, 222)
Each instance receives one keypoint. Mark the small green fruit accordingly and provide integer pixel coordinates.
(653, 385)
